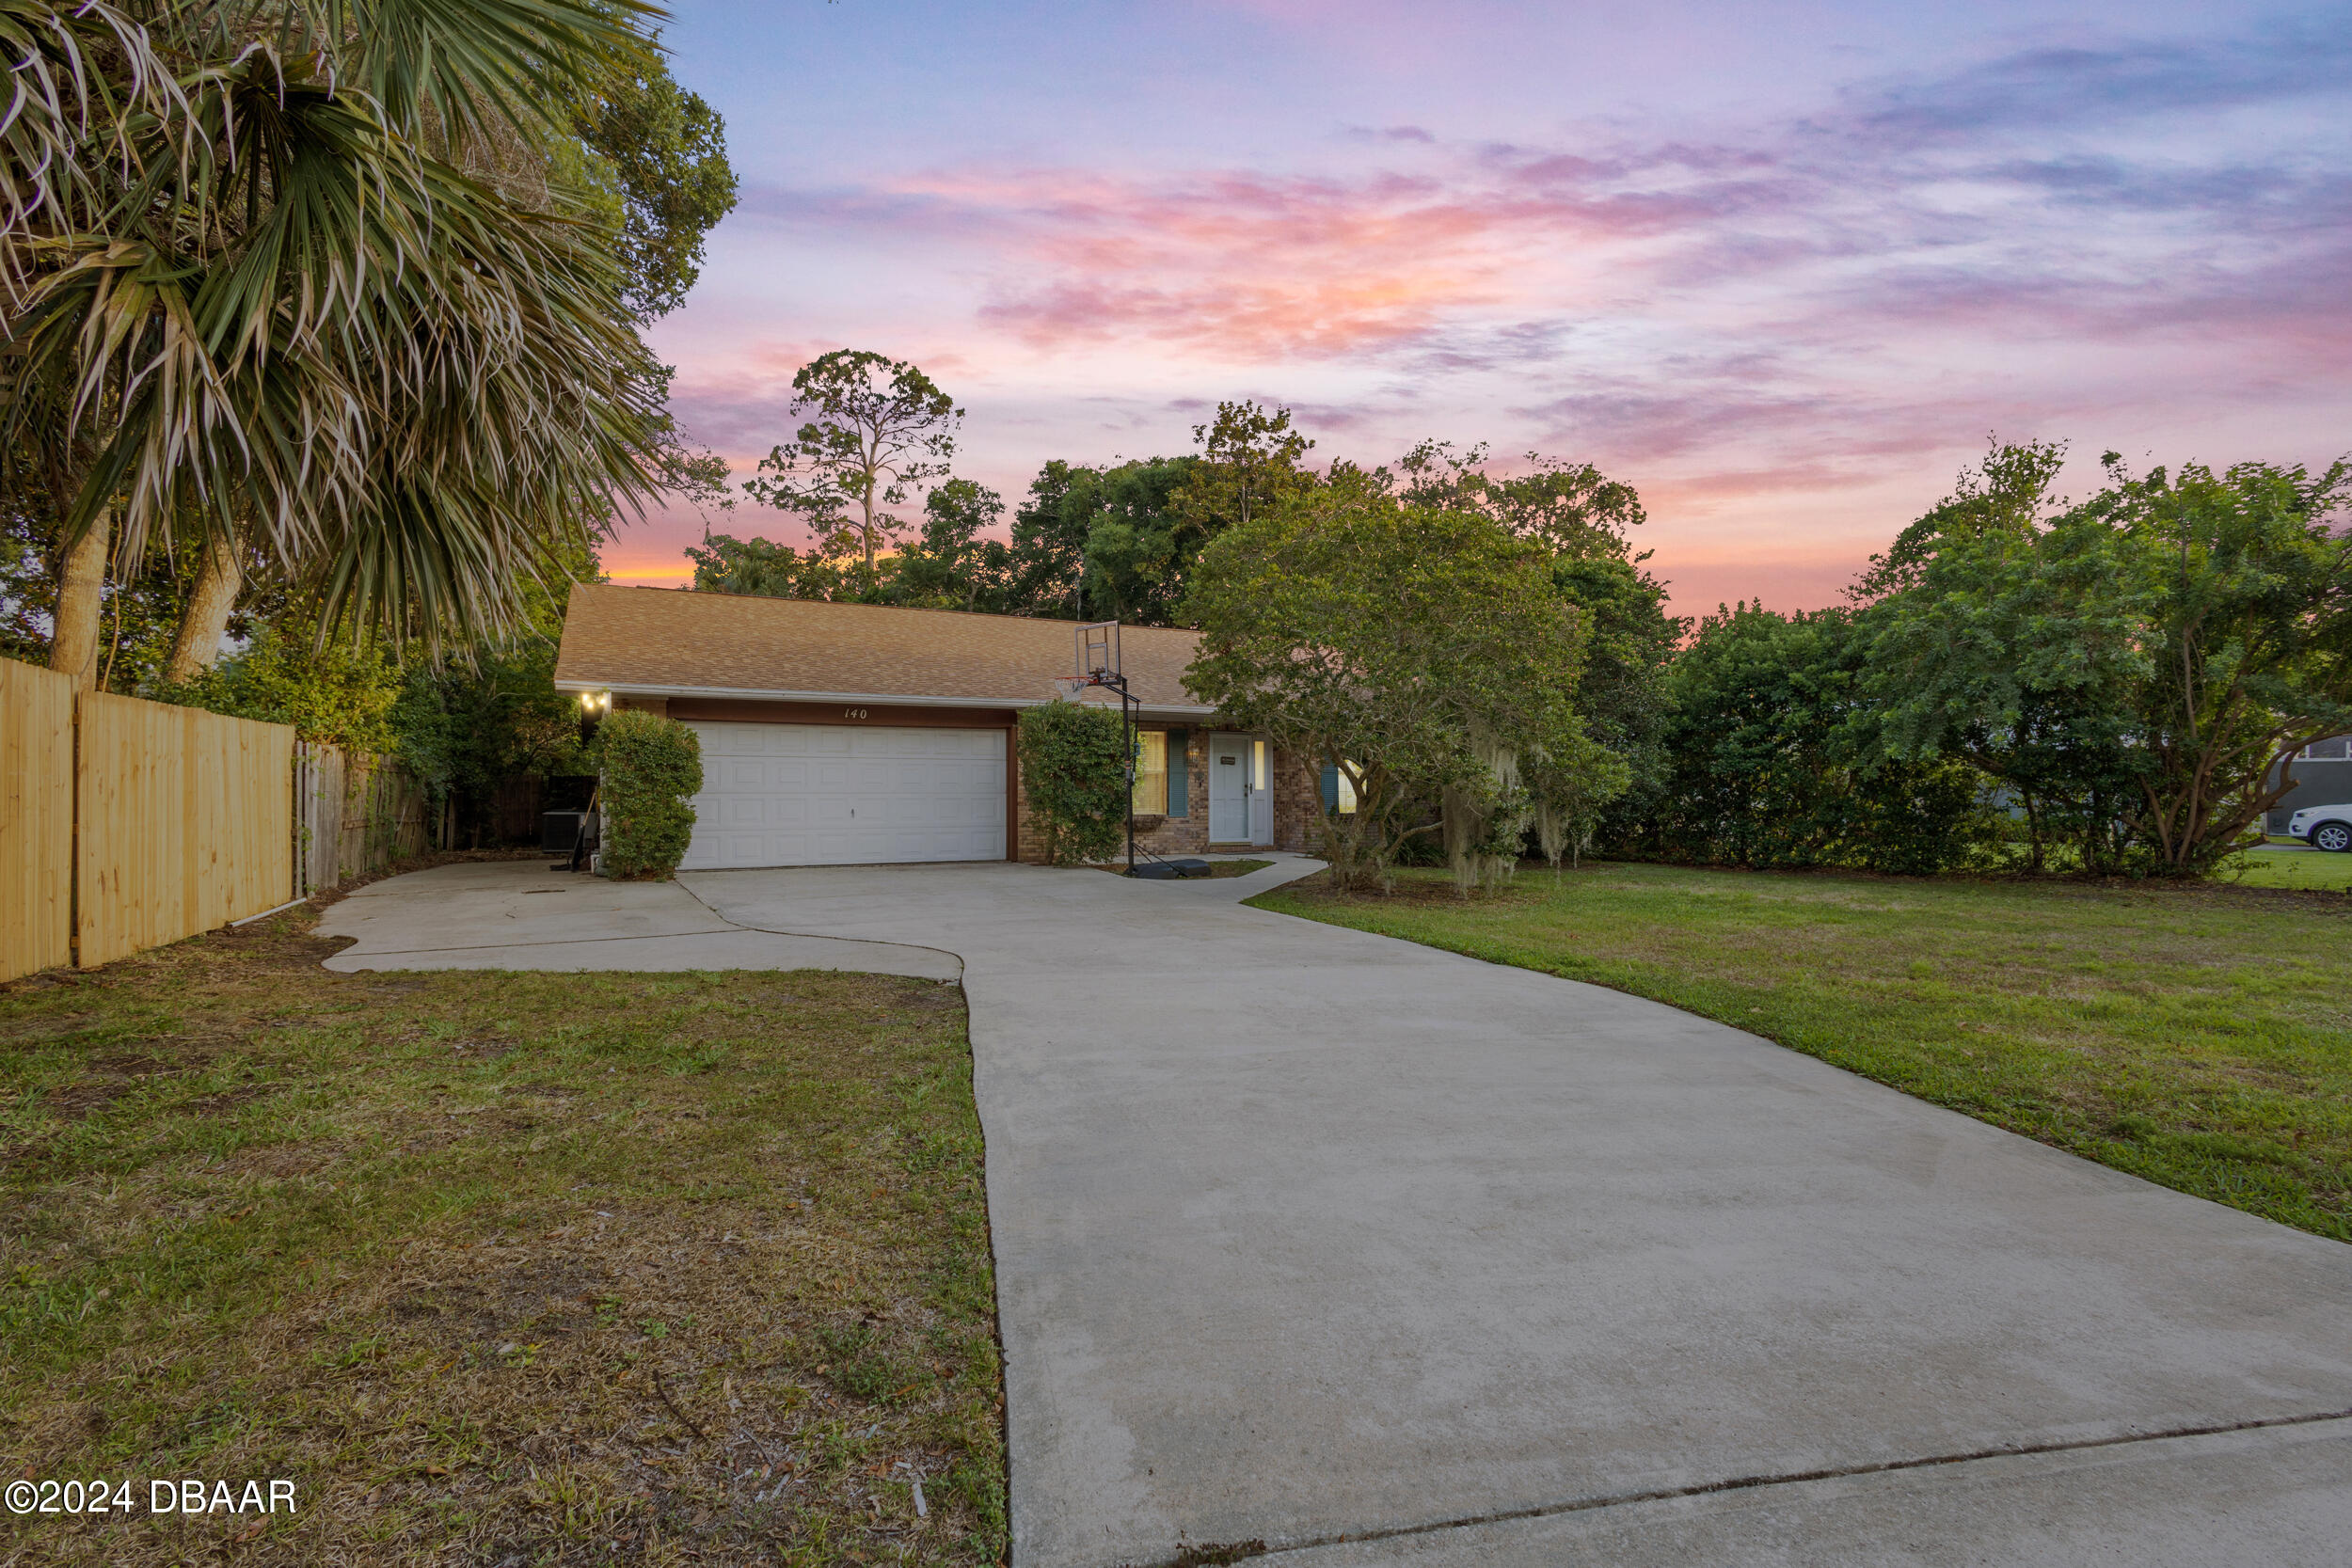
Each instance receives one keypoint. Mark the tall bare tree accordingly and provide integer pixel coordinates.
(877, 431)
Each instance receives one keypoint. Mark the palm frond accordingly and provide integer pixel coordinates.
(263, 301)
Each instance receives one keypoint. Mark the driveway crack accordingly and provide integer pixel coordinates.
(820, 936)
(1239, 1551)
(544, 941)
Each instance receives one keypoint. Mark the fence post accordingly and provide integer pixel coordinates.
(73, 878)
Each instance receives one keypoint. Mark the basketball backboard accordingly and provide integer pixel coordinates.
(1098, 649)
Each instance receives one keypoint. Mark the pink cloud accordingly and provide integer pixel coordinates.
(1789, 339)
(1241, 260)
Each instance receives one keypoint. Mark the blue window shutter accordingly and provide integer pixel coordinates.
(1179, 770)
(1330, 787)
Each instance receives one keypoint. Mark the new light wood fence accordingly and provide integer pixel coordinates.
(159, 822)
(184, 821)
(36, 818)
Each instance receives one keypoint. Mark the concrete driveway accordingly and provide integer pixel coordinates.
(1373, 1254)
(514, 914)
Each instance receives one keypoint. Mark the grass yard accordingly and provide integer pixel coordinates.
(2313, 869)
(2201, 1038)
(498, 1269)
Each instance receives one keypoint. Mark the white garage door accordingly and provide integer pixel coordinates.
(845, 794)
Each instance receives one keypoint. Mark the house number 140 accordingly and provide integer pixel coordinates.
(852, 713)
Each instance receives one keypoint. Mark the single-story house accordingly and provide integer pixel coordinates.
(856, 734)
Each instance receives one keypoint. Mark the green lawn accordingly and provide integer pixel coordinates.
(2300, 868)
(497, 1268)
(2201, 1038)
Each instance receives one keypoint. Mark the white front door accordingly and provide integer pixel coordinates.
(1229, 788)
(845, 794)
(1241, 806)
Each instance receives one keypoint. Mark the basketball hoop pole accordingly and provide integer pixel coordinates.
(1099, 665)
(1115, 681)
(1127, 725)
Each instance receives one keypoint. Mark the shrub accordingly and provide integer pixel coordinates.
(1769, 762)
(650, 766)
(1073, 764)
(336, 691)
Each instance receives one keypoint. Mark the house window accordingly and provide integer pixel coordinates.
(1339, 796)
(1151, 789)
(2336, 750)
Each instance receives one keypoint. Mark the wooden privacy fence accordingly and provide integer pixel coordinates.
(36, 818)
(183, 821)
(126, 824)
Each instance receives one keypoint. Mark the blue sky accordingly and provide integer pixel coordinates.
(1782, 268)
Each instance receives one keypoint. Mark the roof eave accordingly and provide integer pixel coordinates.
(886, 699)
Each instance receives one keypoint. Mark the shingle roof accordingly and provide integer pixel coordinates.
(667, 640)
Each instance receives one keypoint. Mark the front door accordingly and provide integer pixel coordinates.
(1241, 806)
(1229, 788)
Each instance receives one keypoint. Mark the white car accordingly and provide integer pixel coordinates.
(2323, 827)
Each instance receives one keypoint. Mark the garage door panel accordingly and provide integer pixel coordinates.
(845, 794)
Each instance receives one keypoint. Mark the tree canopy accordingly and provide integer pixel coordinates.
(663, 152)
(2172, 639)
(339, 288)
(1419, 651)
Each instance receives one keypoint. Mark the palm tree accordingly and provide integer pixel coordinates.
(300, 274)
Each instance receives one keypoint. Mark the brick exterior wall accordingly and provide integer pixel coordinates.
(1297, 802)
(1030, 847)
(1297, 786)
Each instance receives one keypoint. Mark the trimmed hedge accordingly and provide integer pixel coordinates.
(1074, 765)
(650, 766)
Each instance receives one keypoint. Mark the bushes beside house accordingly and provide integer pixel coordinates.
(1074, 765)
(650, 768)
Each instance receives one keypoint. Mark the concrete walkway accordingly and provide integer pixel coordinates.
(1378, 1255)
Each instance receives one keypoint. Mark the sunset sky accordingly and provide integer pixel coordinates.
(1783, 268)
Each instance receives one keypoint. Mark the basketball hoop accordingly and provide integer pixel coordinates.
(1098, 665)
(1098, 650)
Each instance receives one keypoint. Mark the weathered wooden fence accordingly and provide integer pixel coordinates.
(514, 809)
(183, 821)
(36, 818)
(358, 814)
